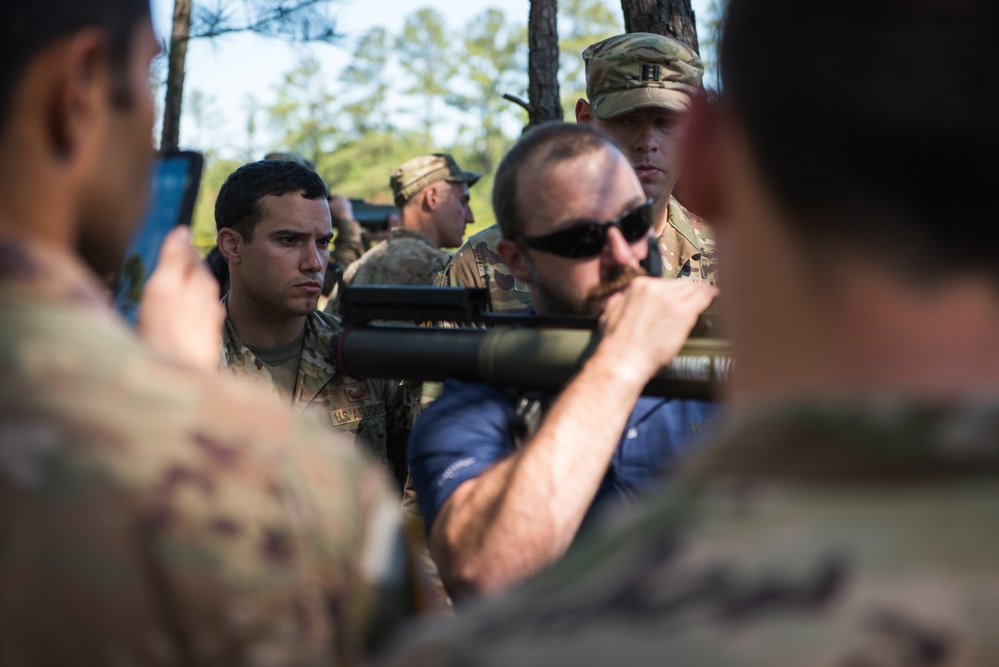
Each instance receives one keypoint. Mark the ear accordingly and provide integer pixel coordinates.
(431, 197)
(230, 243)
(84, 93)
(515, 258)
(584, 112)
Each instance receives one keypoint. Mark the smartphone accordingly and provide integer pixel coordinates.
(176, 176)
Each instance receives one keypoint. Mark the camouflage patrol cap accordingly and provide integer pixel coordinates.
(425, 170)
(640, 69)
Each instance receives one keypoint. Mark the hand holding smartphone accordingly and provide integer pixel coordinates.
(175, 180)
(180, 314)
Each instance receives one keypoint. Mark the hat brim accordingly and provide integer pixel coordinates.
(614, 104)
(469, 177)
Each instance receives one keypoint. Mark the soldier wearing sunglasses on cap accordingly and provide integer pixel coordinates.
(638, 86)
(505, 482)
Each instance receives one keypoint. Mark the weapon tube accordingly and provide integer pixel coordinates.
(541, 359)
(373, 217)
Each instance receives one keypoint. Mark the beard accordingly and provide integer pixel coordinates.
(556, 301)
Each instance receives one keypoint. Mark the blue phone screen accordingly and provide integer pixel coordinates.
(170, 181)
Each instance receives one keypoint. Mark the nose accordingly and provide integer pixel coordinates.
(315, 259)
(617, 251)
(645, 139)
(469, 216)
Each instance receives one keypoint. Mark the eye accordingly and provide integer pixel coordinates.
(667, 120)
(323, 243)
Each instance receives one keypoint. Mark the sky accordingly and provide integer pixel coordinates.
(229, 69)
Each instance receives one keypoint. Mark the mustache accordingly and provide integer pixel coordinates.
(618, 282)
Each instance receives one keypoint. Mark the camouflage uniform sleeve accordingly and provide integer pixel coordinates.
(297, 555)
(165, 516)
(348, 247)
(462, 270)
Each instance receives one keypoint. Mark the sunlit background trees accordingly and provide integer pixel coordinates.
(433, 86)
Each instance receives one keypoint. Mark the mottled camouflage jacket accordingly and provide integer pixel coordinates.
(151, 514)
(847, 536)
(477, 264)
(376, 414)
(687, 246)
(406, 257)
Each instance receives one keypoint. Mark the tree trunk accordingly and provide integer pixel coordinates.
(542, 62)
(673, 18)
(181, 34)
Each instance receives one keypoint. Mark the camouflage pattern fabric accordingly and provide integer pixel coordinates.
(377, 414)
(687, 246)
(423, 171)
(407, 257)
(838, 536)
(477, 264)
(640, 69)
(151, 514)
(348, 246)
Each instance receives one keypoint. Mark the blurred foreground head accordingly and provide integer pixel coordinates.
(855, 156)
(873, 123)
(76, 121)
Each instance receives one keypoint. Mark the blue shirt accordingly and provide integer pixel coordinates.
(467, 430)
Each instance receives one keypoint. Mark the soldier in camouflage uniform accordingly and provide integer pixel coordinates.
(432, 193)
(638, 85)
(847, 517)
(152, 512)
(274, 229)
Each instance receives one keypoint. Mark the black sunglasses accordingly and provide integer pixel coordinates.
(587, 239)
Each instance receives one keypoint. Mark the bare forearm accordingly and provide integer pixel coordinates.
(524, 512)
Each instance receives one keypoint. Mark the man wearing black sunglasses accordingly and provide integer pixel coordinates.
(506, 481)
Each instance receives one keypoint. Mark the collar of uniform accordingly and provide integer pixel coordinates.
(679, 218)
(873, 438)
(316, 366)
(403, 233)
(37, 271)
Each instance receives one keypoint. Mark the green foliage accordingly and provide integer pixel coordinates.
(361, 167)
(366, 81)
(426, 58)
(581, 23)
(709, 42)
(295, 20)
(493, 62)
(203, 222)
(305, 112)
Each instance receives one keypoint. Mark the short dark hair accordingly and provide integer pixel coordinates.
(237, 204)
(546, 144)
(873, 123)
(28, 28)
